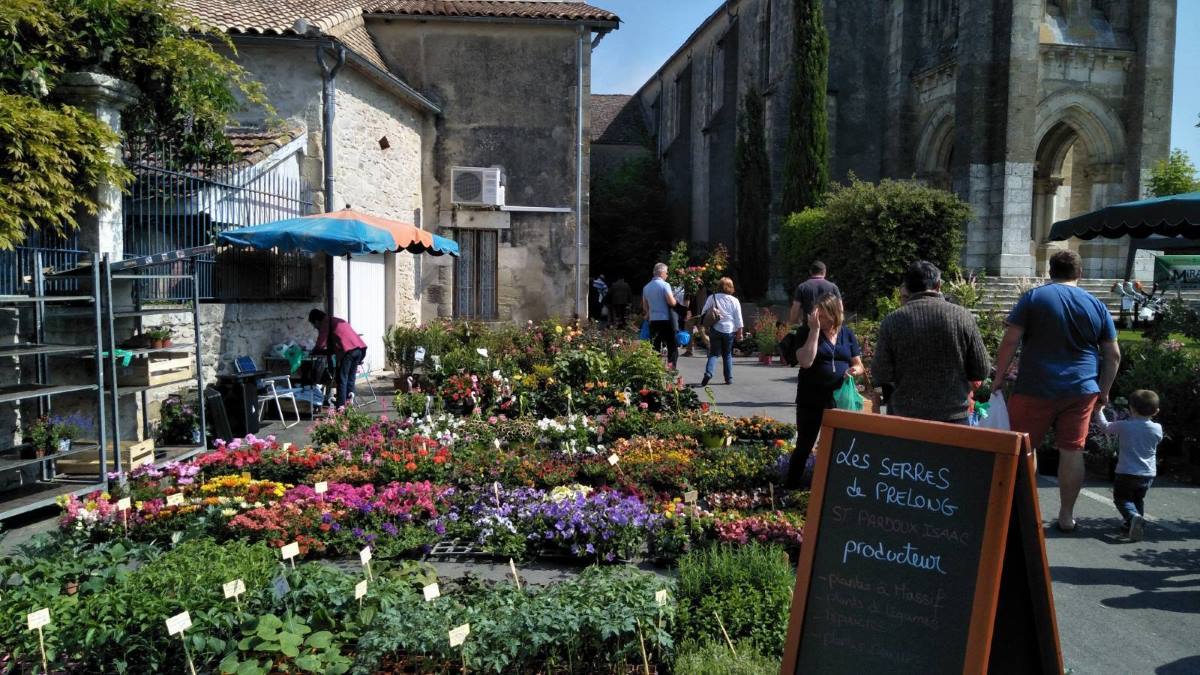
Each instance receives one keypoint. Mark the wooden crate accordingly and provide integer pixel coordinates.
(133, 455)
(157, 369)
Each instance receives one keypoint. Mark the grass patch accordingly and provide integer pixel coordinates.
(1133, 336)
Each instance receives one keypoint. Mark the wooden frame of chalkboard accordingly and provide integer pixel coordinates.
(849, 603)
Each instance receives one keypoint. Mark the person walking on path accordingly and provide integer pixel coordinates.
(809, 291)
(1138, 438)
(336, 336)
(930, 351)
(828, 354)
(721, 334)
(619, 297)
(1069, 359)
(596, 297)
(658, 302)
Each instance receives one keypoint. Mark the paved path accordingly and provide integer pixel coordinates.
(1122, 607)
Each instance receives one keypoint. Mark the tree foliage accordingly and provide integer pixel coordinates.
(189, 92)
(871, 232)
(806, 171)
(753, 179)
(628, 219)
(799, 238)
(1173, 175)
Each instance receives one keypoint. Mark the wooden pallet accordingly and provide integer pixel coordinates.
(157, 369)
(133, 455)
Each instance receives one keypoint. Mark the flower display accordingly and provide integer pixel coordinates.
(778, 527)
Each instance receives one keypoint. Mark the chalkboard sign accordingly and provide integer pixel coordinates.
(904, 547)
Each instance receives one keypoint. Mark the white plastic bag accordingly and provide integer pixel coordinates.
(997, 417)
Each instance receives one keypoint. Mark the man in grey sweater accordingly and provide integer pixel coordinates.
(930, 351)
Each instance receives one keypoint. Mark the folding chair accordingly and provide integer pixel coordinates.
(364, 375)
(268, 391)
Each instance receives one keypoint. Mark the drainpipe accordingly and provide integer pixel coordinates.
(579, 306)
(328, 93)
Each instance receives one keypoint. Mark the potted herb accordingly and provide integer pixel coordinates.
(160, 338)
(48, 435)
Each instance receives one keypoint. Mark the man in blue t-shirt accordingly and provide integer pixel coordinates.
(657, 302)
(1069, 359)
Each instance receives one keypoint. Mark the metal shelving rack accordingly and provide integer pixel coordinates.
(137, 271)
(49, 484)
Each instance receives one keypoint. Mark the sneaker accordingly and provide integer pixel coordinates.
(1137, 528)
(704, 380)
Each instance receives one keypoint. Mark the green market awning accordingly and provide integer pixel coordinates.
(1177, 272)
(1173, 216)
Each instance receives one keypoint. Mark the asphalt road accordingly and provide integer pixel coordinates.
(1122, 607)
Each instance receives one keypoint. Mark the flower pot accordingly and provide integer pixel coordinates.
(166, 342)
(712, 440)
(764, 359)
(156, 344)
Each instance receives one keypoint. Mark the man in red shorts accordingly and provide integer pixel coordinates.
(1069, 359)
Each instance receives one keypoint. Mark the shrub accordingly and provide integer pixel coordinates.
(799, 238)
(1174, 373)
(714, 658)
(873, 231)
(748, 586)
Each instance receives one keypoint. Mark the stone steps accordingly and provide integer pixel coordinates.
(1001, 293)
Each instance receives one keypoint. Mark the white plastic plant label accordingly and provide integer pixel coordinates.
(289, 551)
(360, 589)
(179, 623)
(321, 487)
(690, 497)
(482, 351)
(175, 499)
(419, 355)
(660, 597)
(431, 591)
(124, 504)
(234, 588)
(364, 556)
(613, 459)
(459, 635)
(39, 618)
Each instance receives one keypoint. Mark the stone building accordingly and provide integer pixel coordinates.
(1032, 111)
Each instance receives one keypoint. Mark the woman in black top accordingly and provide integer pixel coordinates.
(828, 354)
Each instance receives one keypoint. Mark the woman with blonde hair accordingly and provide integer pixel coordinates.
(828, 354)
(721, 334)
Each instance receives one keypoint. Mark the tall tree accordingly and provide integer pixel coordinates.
(753, 178)
(806, 171)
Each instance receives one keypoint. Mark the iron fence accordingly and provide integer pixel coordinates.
(171, 205)
(17, 265)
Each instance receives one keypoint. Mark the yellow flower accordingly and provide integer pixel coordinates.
(558, 329)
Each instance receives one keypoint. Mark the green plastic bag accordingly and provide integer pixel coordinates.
(294, 356)
(847, 396)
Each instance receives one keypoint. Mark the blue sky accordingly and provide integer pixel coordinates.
(652, 30)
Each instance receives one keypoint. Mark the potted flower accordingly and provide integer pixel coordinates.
(160, 338)
(48, 435)
(764, 334)
(179, 422)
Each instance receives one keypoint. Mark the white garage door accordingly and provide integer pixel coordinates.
(367, 312)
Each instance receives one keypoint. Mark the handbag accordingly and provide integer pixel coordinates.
(997, 413)
(712, 316)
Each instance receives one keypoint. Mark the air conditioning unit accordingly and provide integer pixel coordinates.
(477, 186)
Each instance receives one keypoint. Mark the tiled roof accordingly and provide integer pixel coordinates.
(252, 145)
(270, 17)
(616, 119)
(513, 9)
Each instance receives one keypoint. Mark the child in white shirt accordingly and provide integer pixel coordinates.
(1138, 439)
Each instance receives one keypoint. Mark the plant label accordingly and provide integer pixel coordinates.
(289, 551)
(482, 351)
(233, 588)
(39, 618)
(175, 499)
(496, 490)
(124, 503)
(280, 586)
(179, 623)
(497, 375)
(613, 459)
(437, 362)
(431, 591)
(419, 355)
(364, 556)
(690, 497)
(660, 597)
(459, 635)
(360, 589)
(321, 488)
(513, 567)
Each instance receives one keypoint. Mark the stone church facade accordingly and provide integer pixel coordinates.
(1032, 111)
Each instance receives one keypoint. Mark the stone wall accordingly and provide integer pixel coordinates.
(508, 94)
